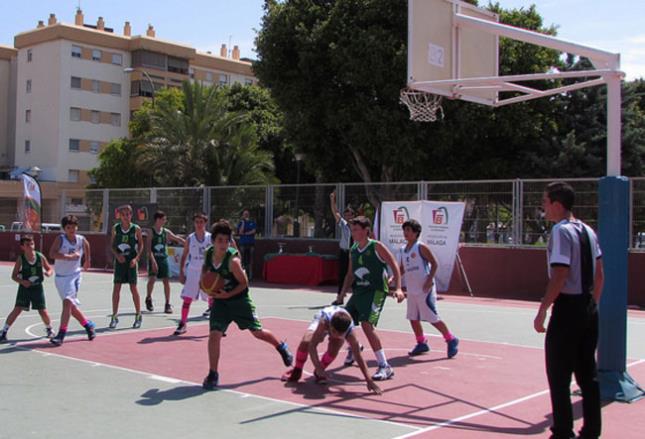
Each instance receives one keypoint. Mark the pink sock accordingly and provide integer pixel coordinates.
(185, 308)
(448, 336)
(326, 360)
(301, 359)
(421, 339)
(83, 323)
(63, 329)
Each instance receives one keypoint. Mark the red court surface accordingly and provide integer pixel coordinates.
(488, 391)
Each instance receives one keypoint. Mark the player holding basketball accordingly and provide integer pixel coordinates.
(158, 267)
(366, 274)
(127, 247)
(335, 322)
(418, 268)
(190, 269)
(68, 250)
(232, 303)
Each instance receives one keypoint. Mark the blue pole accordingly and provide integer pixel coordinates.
(614, 224)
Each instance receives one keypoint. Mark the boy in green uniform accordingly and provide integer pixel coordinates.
(366, 274)
(158, 267)
(29, 271)
(127, 247)
(232, 303)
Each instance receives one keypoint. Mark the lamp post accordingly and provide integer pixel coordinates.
(129, 70)
(296, 224)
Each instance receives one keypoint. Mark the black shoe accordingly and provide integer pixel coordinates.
(90, 330)
(3, 336)
(337, 302)
(168, 308)
(149, 306)
(287, 357)
(58, 339)
(211, 381)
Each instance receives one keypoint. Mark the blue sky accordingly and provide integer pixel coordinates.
(616, 25)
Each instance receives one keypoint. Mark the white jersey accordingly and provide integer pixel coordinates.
(67, 267)
(326, 314)
(197, 251)
(416, 268)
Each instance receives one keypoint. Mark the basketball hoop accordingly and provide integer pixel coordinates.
(423, 106)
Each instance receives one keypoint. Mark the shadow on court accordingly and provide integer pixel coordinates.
(155, 396)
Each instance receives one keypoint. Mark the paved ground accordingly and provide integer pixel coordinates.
(144, 383)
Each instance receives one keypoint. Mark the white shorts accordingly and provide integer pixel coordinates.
(191, 288)
(423, 306)
(68, 286)
(314, 323)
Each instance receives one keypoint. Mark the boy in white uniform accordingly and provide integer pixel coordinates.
(418, 267)
(190, 269)
(335, 322)
(68, 250)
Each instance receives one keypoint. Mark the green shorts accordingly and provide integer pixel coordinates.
(32, 296)
(239, 310)
(163, 269)
(124, 274)
(366, 307)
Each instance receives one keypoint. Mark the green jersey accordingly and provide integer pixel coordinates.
(159, 243)
(125, 242)
(369, 269)
(230, 282)
(32, 272)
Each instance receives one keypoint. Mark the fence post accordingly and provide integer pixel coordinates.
(153, 195)
(61, 212)
(206, 202)
(518, 212)
(422, 191)
(268, 211)
(106, 210)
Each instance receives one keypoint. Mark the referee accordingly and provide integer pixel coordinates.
(574, 288)
(345, 243)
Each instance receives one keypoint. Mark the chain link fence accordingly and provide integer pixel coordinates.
(498, 212)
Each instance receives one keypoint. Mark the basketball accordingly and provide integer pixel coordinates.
(211, 282)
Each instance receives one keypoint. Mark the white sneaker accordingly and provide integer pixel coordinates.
(349, 359)
(113, 322)
(383, 373)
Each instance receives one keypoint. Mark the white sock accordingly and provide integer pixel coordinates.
(380, 358)
(5, 328)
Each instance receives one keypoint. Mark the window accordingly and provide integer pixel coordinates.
(96, 55)
(73, 175)
(117, 59)
(75, 114)
(74, 145)
(178, 65)
(223, 79)
(96, 86)
(209, 76)
(29, 55)
(76, 82)
(248, 81)
(96, 116)
(144, 58)
(28, 86)
(77, 52)
(92, 179)
(191, 72)
(115, 119)
(115, 89)
(27, 146)
(27, 116)
(95, 147)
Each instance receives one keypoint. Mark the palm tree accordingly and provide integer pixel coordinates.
(190, 138)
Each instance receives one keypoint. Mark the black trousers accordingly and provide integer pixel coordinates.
(247, 251)
(571, 340)
(343, 261)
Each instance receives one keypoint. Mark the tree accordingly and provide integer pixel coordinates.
(190, 137)
(118, 167)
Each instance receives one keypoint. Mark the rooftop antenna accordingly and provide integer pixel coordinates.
(230, 37)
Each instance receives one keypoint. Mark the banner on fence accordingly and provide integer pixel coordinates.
(30, 210)
(441, 222)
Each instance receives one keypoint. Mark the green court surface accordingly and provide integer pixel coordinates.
(50, 393)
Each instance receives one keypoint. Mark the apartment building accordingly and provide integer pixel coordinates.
(75, 86)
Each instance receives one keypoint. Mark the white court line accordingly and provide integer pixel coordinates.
(488, 410)
(235, 392)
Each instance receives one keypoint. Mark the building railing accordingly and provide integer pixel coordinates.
(498, 212)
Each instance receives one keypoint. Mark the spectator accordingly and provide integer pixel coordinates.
(246, 229)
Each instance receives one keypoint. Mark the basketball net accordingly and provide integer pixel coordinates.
(423, 106)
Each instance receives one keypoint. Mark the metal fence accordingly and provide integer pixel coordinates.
(498, 212)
